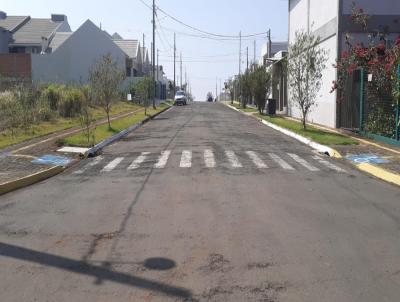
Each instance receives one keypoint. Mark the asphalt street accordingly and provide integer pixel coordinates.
(203, 204)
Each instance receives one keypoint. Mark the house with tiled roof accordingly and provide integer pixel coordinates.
(46, 50)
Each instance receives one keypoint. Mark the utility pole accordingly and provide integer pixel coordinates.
(158, 56)
(216, 89)
(255, 47)
(181, 72)
(247, 51)
(269, 44)
(174, 63)
(185, 80)
(154, 53)
(240, 67)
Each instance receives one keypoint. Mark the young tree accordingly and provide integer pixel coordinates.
(144, 91)
(105, 78)
(86, 117)
(307, 60)
(245, 84)
(260, 86)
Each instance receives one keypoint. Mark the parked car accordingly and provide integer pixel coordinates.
(180, 98)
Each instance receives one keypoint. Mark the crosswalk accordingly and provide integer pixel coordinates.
(209, 160)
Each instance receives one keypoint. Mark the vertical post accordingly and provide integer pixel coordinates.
(154, 54)
(240, 68)
(398, 106)
(216, 88)
(255, 49)
(174, 63)
(247, 52)
(181, 72)
(269, 44)
(158, 57)
(362, 100)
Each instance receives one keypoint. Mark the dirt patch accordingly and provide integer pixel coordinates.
(216, 263)
(265, 292)
(252, 266)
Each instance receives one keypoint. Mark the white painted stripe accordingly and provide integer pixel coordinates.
(329, 165)
(303, 162)
(163, 159)
(256, 160)
(186, 159)
(91, 164)
(281, 162)
(233, 159)
(209, 159)
(138, 161)
(112, 165)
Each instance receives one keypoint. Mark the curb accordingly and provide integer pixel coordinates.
(320, 148)
(380, 173)
(30, 179)
(375, 171)
(92, 151)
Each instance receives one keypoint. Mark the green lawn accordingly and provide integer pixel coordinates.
(247, 109)
(317, 135)
(59, 124)
(102, 132)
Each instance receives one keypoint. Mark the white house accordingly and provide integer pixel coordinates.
(330, 19)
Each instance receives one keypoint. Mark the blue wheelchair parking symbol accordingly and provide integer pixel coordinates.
(367, 159)
(52, 160)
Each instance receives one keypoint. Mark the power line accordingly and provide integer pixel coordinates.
(200, 30)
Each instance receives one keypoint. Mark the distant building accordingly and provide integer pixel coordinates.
(330, 20)
(273, 55)
(46, 50)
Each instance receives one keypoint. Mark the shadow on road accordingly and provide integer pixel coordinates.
(99, 272)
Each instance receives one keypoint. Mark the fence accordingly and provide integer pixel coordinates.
(366, 110)
(379, 112)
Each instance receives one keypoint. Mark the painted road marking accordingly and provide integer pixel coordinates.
(209, 159)
(138, 161)
(233, 159)
(256, 160)
(112, 165)
(281, 162)
(186, 159)
(92, 163)
(328, 164)
(163, 160)
(303, 162)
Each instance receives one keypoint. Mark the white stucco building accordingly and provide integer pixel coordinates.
(330, 19)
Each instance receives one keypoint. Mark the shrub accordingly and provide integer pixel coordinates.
(53, 94)
(10, 112)
(71, 103)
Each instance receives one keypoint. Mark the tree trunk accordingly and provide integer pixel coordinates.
(108, 116)
(304, 121)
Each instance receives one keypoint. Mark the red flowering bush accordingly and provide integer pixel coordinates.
(376, 58)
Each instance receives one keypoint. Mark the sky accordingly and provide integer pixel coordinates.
(207, 61)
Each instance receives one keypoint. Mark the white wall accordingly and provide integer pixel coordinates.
(297, 17)
(322, 11)
(71, 62)
(324, 112)
(374, 7)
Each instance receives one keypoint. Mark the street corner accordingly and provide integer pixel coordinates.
(383, 166)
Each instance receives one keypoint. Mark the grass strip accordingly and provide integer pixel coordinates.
(103, 132)
(313, 133)
(59, 124)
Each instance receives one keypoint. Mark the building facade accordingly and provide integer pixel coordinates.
(330, 20)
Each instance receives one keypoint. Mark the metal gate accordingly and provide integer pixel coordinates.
(349, 104)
